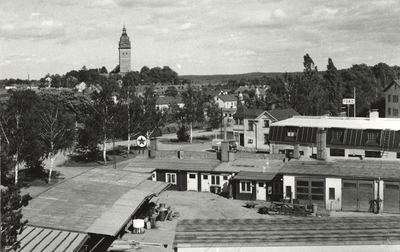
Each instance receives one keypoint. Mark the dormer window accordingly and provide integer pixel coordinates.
(337, 136)
(372, 137)
(291, 134)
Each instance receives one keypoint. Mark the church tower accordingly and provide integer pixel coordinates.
(124, 53)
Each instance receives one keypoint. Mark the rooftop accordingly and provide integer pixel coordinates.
(341, 122)
(82, 203)
(261, 233)
(389, 170)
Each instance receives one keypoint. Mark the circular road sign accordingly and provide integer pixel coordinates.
(141, 141)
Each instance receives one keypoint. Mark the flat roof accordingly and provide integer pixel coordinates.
(251, 165)
(292, 232)
(341, 122)
(42, 239)
(78, 203)
(173, 164)
(388, 170)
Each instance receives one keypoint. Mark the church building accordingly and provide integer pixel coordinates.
(124, 53)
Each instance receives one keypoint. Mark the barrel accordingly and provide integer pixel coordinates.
(163, 214)
(138, 226)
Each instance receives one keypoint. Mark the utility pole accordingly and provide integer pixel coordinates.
(354, 101)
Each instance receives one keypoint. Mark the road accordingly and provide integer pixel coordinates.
(164, 142)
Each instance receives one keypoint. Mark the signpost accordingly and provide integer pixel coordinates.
(141, 141)
(348, 102)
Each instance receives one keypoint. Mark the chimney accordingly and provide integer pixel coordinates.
(373, 115)
(321, 144)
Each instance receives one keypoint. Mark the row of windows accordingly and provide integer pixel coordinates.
(373, 138)
(395, 112)
(372, 154)
(266, 139)
(215, 179)
(395, 98)
(250, 125)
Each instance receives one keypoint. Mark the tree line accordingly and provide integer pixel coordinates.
(314, 92)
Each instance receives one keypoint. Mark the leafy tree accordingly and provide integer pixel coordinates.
(130, 105)
(56, 126)
(193, 110)
(103, 70)
(11, 217)
(214, 115)
(171, 91)
(334, 88)
(102, 116)
(152, 118)
(18, 124)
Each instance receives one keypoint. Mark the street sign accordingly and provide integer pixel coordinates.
(348, 101)
(141, 141)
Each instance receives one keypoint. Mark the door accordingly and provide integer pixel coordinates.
(310, 191)
(241, 139)
(205, 184)
(192, 182)
(357, 194)
(391, 197)
(261, 193)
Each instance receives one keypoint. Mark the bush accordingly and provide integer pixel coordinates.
(183, 134)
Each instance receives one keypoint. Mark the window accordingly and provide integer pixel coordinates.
(337, 136)
(245, 187)
(205, 177)
(395, 112)
(215, 180)
(266, 123)
(171, 178)
(398, 155)
(225, 177)
(331, 193)
(250, 141)
(291, 134)
(395, 98)
(373, 154)
(240, 121)
(266, 139)
(372, 138)
(388, 98)
(337, 152)
(388, 111)
(250, 126)
(192, 176)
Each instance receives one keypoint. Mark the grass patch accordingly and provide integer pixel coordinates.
(119, 154)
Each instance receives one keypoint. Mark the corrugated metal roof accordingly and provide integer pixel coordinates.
(341, 122)
(42, 239)
(368, 169)
(76, 204)
(266, 232)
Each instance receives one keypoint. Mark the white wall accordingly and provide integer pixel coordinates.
(289, 181)
(335, 204)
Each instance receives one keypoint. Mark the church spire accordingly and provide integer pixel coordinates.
(124, 30)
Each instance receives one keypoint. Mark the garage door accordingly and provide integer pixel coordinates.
(357, 194)
(310, 191)
(391, 197)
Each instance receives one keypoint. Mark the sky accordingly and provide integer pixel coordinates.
(196, 37)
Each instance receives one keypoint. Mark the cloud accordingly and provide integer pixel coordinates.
(150, 3)
(35, 27)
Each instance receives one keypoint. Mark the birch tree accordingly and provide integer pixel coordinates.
(56, 127)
